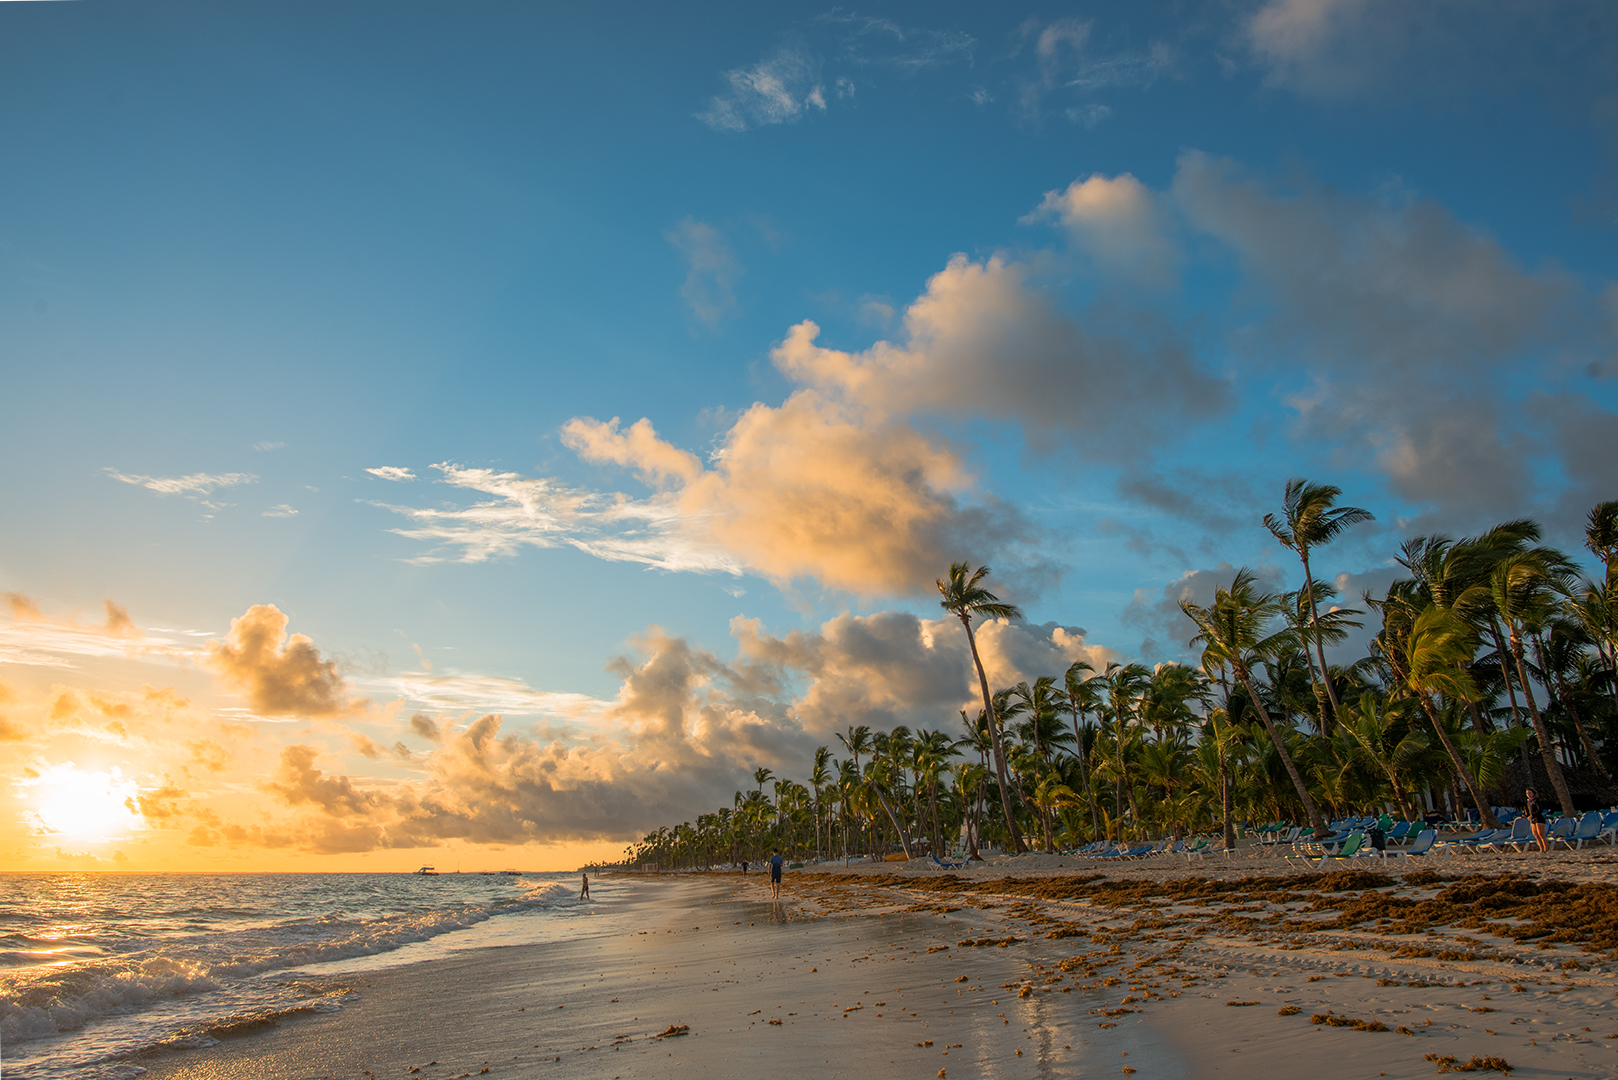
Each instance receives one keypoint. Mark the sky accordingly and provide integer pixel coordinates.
(476, 435)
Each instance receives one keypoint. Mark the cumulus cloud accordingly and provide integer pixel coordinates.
(280, 676)
(982, 341)
(711, 268)
(781, 89)
(1117, 221)
(190, 484)
(1408, 325)
(684, 732)
(839, 483)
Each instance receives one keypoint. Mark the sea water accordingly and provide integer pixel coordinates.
(97, 970)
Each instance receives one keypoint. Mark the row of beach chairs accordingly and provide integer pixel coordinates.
(1569, 832)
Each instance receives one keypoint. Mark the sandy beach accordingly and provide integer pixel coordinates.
(1033, 966)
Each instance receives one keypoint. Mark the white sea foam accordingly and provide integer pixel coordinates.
(216, 958)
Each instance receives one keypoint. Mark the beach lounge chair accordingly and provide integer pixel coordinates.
(1470, 843)
(1284, 839)
(1561, 831)
(1589, 827)
(1513, 838)
(1609, 826)
(942, 865)
(1423, 844)
(1349, 849)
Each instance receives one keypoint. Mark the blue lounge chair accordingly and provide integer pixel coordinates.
(1470, 843)
(1423, 844)
(1519, 835)
(1561, 831)
(1589, 827)
(947, 865)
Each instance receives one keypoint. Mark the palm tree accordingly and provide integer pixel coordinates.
(1125, 683)
(1082, 698)
(819, 777)
(1601, 535)
(1313, 519)
(964, 597)
(1387, 740)
(1232, 632)
(762, 777)
(1436, 649)
(1520, 587)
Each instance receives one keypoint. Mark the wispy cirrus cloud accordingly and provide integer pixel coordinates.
(197, 484)
(792, 82)
(452, 692)
(1065, 67)
(779, 89)
(542, 512)
(392, 472)
(863, 39)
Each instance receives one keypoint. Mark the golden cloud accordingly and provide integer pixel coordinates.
(280, 675)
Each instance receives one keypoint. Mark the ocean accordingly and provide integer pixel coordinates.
(97, 970)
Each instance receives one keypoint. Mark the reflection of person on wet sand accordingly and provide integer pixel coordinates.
(585, 893)
(775, 874)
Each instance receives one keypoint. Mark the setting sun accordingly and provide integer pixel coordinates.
(73, 803)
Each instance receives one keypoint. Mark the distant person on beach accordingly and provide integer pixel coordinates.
(585, 894)
(1536, 818)
(744, 866)
(775, 873)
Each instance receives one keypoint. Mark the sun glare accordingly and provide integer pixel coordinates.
(73, 803)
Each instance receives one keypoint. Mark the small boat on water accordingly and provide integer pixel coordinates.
(426, 871)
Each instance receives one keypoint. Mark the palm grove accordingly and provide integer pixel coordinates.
(1494, 661)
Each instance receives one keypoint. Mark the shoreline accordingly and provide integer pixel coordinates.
(1168, 970)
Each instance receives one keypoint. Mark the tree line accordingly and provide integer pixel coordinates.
(1493, 657)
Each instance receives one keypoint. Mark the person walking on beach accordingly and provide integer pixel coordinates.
(585, 893)
(1536, 819)
(775, 874)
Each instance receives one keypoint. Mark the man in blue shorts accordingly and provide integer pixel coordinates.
(775, 874)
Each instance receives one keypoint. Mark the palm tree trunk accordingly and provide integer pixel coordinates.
(1313, 812)
(1461, 771)
(1018, 847)
(1501, 652)
(1565, 694)
(1320, 648)
(1548, 752)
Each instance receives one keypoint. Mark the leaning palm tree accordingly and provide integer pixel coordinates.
(1521, 589)
(1436, 649)
(964, 597)
(1232, 631)
(1313, 519)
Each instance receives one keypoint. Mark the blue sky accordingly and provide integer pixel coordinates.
(1090, 281)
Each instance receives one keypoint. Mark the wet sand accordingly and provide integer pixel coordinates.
(1015, 969)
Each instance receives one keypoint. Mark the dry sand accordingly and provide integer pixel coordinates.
(1020, 968)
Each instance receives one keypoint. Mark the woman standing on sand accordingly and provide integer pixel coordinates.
(1536, 819)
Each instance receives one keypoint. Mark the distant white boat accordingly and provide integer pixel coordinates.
(426, 871)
